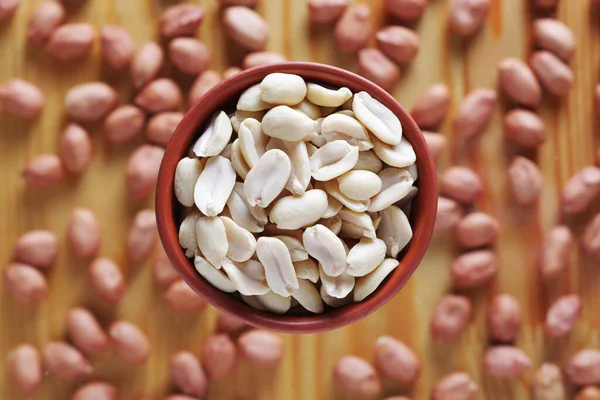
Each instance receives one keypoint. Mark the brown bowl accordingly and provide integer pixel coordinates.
(223, 97)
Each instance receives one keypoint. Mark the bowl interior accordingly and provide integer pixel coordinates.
(223, 97)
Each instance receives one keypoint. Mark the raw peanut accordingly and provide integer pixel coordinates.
(504, 318)
(325, 97)
(124, 124)
(83, 234)
(474, 268)
(554, 75)
(588, 393)
(262, 58)
(21, 98)
(162, 270)
(25, 369)
(205, 81)
(43, 170)
(396, 360)
(71, 41)
(130, 342)
(546, 3)
(231, 71)
(230, 324)
(44, 20)
(186, 175)
(273, 167)
(215, 277)
(357, 377)
(562, 315)
(89, 102)
(461, 184)
(142, 236)
(7, 8)
(37, 248)
(451, 317)
(431, 108)
(246, 28)
(181, 298)
(360, 185)
(146, 64)
(65, 361)
(468, 16)
(552, 35)
(375, 66)
(394, 229)
(353, 29)
(107, 279)
(85, 332)
(457, 385)
(215, 185)
(96, 391)
(215, 137)
(524, 128)
(75, 148)
(436, 143)
(398, 43)
(555, 251)
(519, 83)
(326, 11)
(27, 284)
(333, 160)
(307, 295)
(180, 20)
(581, 190)
(294, 212)
(283, 89)
(261, 348)
(590, 241)
(117, 46)
(583, 368)
(548, 384)
(405, 9)
(474, 113)
(367, 161)
(279, 270)
(142, 170)
(477, 229)
(190, 55)
(449, 213)
(326, 247)
(506, 362)
(285, 123)
(188, 374)
(524, 180)
(218, 356)
(160, 95)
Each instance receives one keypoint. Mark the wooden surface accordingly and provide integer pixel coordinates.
(306, 370)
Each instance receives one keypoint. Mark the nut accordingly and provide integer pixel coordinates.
(326, 11)
(146, 64)
(142, 170)
(474, 268)
(261, 348)
(27, 284)
(44, 170)
(130, 343)
(21, 98)
(400, 156)
(65, 361)
(395, 230)
(353, 29)
(89, 102)
(267, 179)
(219, 355)
(524, 180)
(180, 20)
(461, 184)
(142, 236)
(357, 377)
(477, 230)
(262, 58)
(83, 234)
(211, 238)
(327, 248)
(474, 113)
(75, 148)
(188, 374)
(242, 243)
(555, 251)
(519, 83)
(37, 248)
(285, 123)
(467, 16)
(251, 218)
(396, 360)
(71, 41)
(433, 105)
(189, 55)
(583, 368)
(283, 89)
(378, 118)
(332, 160)
(376, 67)
(405, 9)
(451, 317)
(25, 369)
(44, 20)
(215, 137)
(215, 277)
(506, 362)
(124, 124)
(324, 97)
(279, 270)
(457, 385)
(106, 278)
(398, 43)
(369, 283)
(246, 28)
(449, 213)
(96, 390)
(562, 315)
(359, 185)
(548, 384)
(581, 190)
(552, 35)
(7, 8)
(524, 128)
(158, 96)
(205, 81)
(294, 212)
(162, 126)
(504, 318)
(118, 48)
(85, 332)
(554, 75)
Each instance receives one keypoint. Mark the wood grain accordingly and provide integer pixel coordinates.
(306, 370)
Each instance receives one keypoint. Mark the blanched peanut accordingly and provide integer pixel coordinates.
(458, 386)
(182, 298)
(206, 81)
(25, 369)
(468, 16)
(71, 41)
(142, 170)
(326, 11)
(89, 102)
(230, 324)
(548, 384)
(396, 360)
(581, 190)
(590, 241)
(555, 251)
(588, 393)
(43, 170)
(504, 318)
(117, 46)
(190, 55)
(461, 184)
(142, 236)
(519, 83)
(376, 67)
(96, 391)
(524, 180)
(83, 234)
(231, 71)
(7, 8)
(262, 348)
(130, 342)
(405, 9)
(552, 35)
(524, 128)
(124, 124)
(160, 95)
(37, 248)
(65, 361)
(44, 20)
(262, 58)
(246, 28)
(163, 271)
(436, 143)
(218, 356)
(25, 283)
(554, 75)
(506, 362)
(451, 317)
(474, 113)
(474, 268)
(353, 29)
(398, 43)
(283, 89)
(357, 377)
(359, 184)
(85, 332)
(431, 108)
(188, 374)
(75, 148)
(107, 279)
(146, 64)
(476, 230)
(180, 20)
(562, 315)
(583, 368)
(449, 213)
(21, 98)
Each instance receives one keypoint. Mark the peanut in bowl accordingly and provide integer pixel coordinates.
(264, 188)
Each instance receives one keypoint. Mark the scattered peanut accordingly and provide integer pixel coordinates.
(375, 66)
(118, 48)
(581, 190)
(562, 315)
(124, 124)
(396, 360)
(160, 95)
(262, 348)
(162, 270)
(524, 128)
(431, 108)
(130, 342)
(205, 81)
(262, 58)
(21, 98)
(467, 16)
(552, 35)
(451, 317)
(65, 361)
(44, 20)
(353, 29)
(357, 377)
(107, 279)
(449, 213)
(37, 248)
(554, 75)
(246, 28)
(71, 41)
(146, 64)
(555, 251)
(458, 385)
(474, 113)
(548, 384)
(590, 241)
(524, 180)
(25, 369)
(85, 332)
(8, 8)
(436, 143)
(43, 170)
(398, 43)
(506, 362)
(583, 368)
(474, 268)
(25, 283)
(218, 356)
(519, 83)
(230, 324)
(142, 170)
(190, 55)
(180, 20)
(96, 391)
(182, 298)
(461, 184)
(89, 102)
(188, 374)
(141, 240)
(476, 230)
(405, 9)
(83, 234)
(504, 318)
(75, 148)
(326, 11)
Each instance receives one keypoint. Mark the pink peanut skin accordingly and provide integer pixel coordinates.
(524, 128)
(25, 369)
(474, 269)
(326, 11)
(504, 318)
(474, 113)
(44, 20)
(398, 43)
(161, 127)
(188, 374)
(433, 105)
(506, 362)
(525, 181)
(246, 28)
(581, 190)
(552, 35)
(146, 64)
(189, 55)
(562, 315)
(181, 298)
(436, 142)
(90, 102)
(71, 41)
(158, 96)
(555, 251)
(65, 361)
(8, 8)
(376, 67)
(356, 376)
(142, 170)
(205, 81)
(548, 384)
(85, 331)
(124, 124)
(21, 98)
(519, 83)
(37, 248)
(461, 184)
(451, 317)
(163, 271)
(83, 234)
(468, 16)
(457, 385)
(96, 391)
(353, 29)
(477, 229)
(262, 58)
(106, 278)
(449, 213)
(583, 368)
(130, 342)
(230, 324)
(43, 171)
(408, 10)
(25, 283)
(590, 241)
(396, 360)
(554, 75)
(219, 356)
(261, 348)
(117, 46)
(180, 20)
(142, 237)
(75, 149)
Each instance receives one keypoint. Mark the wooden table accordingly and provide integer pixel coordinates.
(306, 370)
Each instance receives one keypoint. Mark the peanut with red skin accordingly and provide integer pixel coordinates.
(457, 385)
(433, 105)
(519, 83)
(75, 148)
(117, 46)
(562, 315)
(590, 241)
(261, 348)
(474, 269)
(436, 143)
(581, 190)
(71, 41)
(326, 11)
(21, 98)
(504, 318)
(180, 20)
(468, 16)
(182, 298)
(158, 96)
(25, 369)
(8, 8)
(353, 29)
(474, 113)
(525, 180)
(106, 278)
(142, 170)
(90, 102)
(524, 128)
(552, 35)
(357, 377)
(398, 43)
(146, 64)
(44, 20)
(124, 124)
(449, 213)
(43, 171)
(408, 10)
(205, 81)
(65, 361)
(555, 251)
(188, 374)
(85, 332)
(583, 368)
(262, 58)
(230, 324)
(506, 362)
(189, 55)
(376, 67)
(27, 284)
(83, 234)
(130, 342)
(396, 360)
(461, 184)
(37, 248)
(162, 270)
(96, 391)
(142, 236)
(218, 356)
(451, 317)
(246, 28)
(476, 230)
(162, 126)
(554, 75)
(548, 384)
